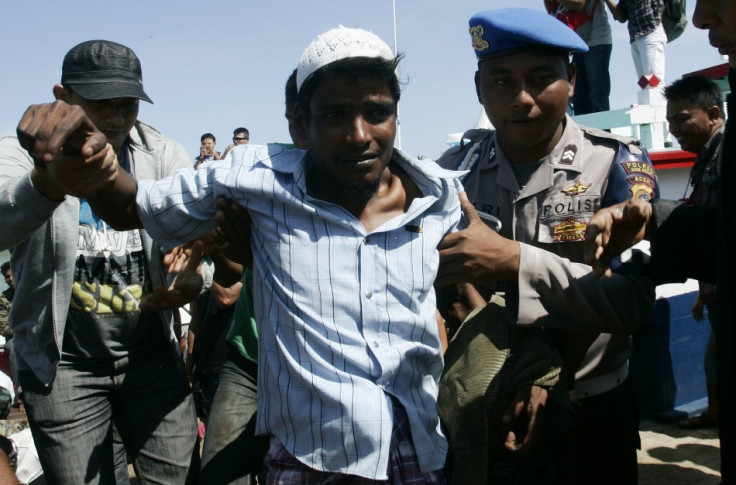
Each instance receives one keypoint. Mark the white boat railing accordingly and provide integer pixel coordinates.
(646, 123)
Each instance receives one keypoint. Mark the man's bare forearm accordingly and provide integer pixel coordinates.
(116, 202)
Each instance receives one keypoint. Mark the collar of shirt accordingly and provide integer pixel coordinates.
(565, 156)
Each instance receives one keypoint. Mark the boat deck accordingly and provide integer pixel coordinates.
(673, 456)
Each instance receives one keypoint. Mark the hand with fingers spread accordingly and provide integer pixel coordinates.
(185, 287)
(613, 230)
(178, 258)
(476, 254)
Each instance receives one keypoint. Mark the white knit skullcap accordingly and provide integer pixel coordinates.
(337, 44)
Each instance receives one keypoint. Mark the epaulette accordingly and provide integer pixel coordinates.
(611, 138)
(471, 150)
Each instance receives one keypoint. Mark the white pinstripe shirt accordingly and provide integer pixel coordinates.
(346, 318)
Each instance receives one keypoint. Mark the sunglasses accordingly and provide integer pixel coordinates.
(236, 139)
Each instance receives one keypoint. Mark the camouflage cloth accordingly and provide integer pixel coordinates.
(5, 329)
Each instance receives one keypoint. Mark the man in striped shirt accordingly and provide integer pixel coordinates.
(344, 239)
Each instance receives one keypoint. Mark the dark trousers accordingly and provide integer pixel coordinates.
(608, 438)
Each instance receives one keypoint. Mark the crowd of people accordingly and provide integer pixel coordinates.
(355, 318)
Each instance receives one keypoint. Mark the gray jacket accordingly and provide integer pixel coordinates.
(42, 235)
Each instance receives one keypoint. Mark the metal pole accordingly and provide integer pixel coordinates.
(396, 53)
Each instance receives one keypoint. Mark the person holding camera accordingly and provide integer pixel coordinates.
(207, 151)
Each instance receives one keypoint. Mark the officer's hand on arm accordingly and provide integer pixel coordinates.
(614, 229)
(185, 287)
(476, 254)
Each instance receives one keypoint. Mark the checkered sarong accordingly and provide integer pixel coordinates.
(403, 465)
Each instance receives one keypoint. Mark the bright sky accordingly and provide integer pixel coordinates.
(213, 66)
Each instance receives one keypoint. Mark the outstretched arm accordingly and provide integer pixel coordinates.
(614, 229)
(71, 156)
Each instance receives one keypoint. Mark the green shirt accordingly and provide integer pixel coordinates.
(243, 333)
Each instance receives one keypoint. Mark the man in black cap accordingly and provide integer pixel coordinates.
(544, 176)
(90, 359)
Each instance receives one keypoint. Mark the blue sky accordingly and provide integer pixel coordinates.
(212, 66)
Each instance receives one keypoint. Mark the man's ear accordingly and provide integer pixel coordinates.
(477, 86)
(572, 71)
(714, 113)
(299, 124)
(61, 93)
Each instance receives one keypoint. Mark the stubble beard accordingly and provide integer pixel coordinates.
(361, 190)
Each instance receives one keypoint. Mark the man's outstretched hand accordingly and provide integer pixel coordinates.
(614, 229)
(185, 287)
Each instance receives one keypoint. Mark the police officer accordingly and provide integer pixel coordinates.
(544, 176)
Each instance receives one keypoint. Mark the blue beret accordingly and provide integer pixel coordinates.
(506, 31)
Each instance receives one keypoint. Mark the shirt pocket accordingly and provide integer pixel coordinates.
(411, 262)
(565, 219)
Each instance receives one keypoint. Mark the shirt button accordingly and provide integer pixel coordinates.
(375, 344)
(368, 294)
(366, 240)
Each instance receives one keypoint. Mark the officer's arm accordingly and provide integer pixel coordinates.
(554, 292)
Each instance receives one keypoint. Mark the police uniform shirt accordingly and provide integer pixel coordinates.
(586, 170)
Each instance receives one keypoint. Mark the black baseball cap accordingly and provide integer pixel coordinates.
(100, 69)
